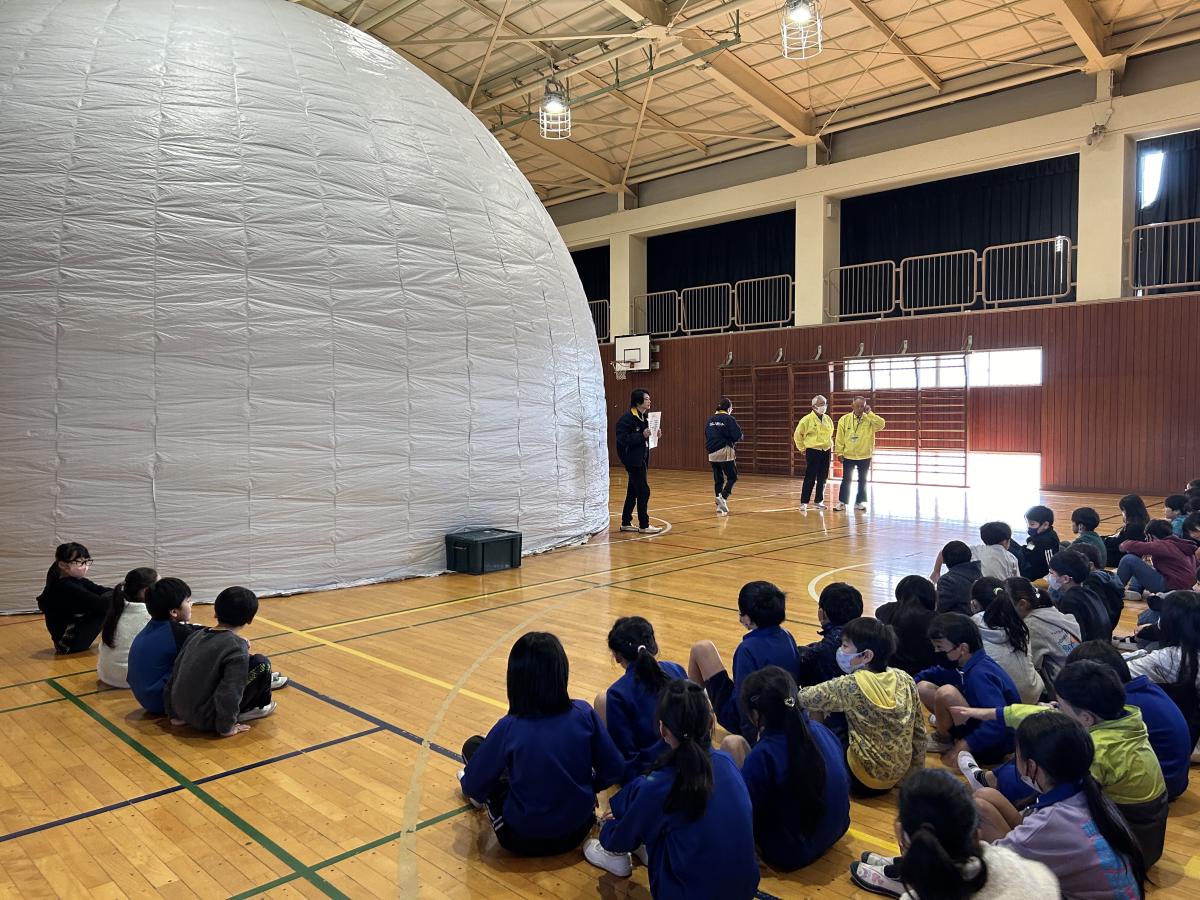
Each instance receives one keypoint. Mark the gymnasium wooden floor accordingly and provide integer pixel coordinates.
(349, 790)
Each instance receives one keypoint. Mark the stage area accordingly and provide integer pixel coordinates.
(350, 790)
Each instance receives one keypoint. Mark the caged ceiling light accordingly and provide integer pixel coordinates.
(803, 29)
(554, 113)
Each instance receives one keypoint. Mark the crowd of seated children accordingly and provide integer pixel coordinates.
(1125, 764)
(909, 615)
(995, 558)
(1134, 519)
(885, 737)
(1040, 545)
(1173, 665)
(1006, 637)
(628, 707)
(1172, 565)
(965, 676)
(838, 604)
(1053, 634)
(938, 829)
(954, 586)
(126, 617)
(761, 610)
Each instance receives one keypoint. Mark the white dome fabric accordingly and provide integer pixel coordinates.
(275, 309)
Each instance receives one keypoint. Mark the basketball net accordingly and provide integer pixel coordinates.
(621, 369)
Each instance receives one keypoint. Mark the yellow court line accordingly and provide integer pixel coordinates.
(871, 839)
(388, 664)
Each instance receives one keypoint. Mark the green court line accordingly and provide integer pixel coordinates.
(11, 709)
(348, 854)
(300, 870)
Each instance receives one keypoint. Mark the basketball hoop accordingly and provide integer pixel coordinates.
(621, 368)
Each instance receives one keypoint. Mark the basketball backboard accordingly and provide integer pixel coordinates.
(633, 348)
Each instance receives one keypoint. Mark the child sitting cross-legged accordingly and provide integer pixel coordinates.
(886, 737)
(1006, 637)
(127, 616)
(838, 604)
(217, 684)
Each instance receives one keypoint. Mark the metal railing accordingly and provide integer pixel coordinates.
(1040, 271)
(706, 308)
(764, 302)
(1165, 256)
(599, 311)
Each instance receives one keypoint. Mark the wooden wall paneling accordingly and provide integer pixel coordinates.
(1005, 419)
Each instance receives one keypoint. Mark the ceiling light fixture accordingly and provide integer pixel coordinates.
(803, 29)
(554, 113)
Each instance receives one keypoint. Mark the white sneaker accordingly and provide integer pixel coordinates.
(873, 879)
(278, 680)
(475, 803)
(649, 529)
(838, 507)
(643, 855)
(618, 864)
(629, 528)
(820, 504)
(723, 506)
(976, 777)
(860, 506)
(875, 859)
(260, 713)
(803, 507)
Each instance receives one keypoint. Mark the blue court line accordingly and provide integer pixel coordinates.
(67, 820)
(375, 720)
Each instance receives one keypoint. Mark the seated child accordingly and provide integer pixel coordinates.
(909, 616)
(994, 557)
(1173, 558)
(627, 708)
(692, 813)
(152, 653)
(940, 852)
(1052, 633)
(126, 617)
(1175, 508)
(74, 606)
(967, 673)
(954, 588)
(1124, 765)
(886, 737)
(217, 684)
(1134, 519)
(838, 604)
(1084, 522)
(1071, 828)
(539, 768)
(1165, 724)
(1068, 572)
(1042, 543)
(761, 609)
(796, 774)
(1175, 664)
(1103, 583)
(1006, 637)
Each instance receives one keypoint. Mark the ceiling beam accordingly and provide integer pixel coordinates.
(1090, 36)
(573, 156)
(758, 93)
(637, 11)
(897, 44)
(661, 121)
(386, 14)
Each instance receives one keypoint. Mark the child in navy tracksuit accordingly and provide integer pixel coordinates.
(839, 603)
(539, 768)
(628, 707)
(796, 774)
(152, 653)
(692, 815)
(761, 608)
(969, 677)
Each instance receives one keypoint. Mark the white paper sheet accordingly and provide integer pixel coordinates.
(654, 420)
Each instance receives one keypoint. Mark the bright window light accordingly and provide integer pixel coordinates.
(1005, 368)
(985, 368)
(1151, 177)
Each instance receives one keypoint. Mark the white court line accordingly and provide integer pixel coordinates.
(813, 584)
(666, 530)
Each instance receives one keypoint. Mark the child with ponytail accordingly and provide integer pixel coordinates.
(74, 605)
(692, 813)
(1006, 637)
(1072, 827)
(127, 615)
(941, 856)
(628, 707)
(796, 774)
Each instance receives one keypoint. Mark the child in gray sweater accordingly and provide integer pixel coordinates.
(217, 684)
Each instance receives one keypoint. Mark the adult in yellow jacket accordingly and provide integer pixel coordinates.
(855, 443)
(814, 436)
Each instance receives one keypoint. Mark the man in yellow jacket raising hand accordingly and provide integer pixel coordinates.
(855, 443)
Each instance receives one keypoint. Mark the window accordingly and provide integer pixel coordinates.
(985, 368)
(1151, 177)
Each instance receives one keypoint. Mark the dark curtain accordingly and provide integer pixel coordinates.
(729, 252)
(592, 266)
(1017, 203)
(1179, 186)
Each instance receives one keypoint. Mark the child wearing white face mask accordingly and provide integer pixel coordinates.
(886, 736)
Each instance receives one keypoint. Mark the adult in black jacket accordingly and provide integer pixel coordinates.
(721, 433)
(1068, 572)
(633, 449)
(74, 607)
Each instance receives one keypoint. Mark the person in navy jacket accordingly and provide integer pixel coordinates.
(539, 768)
(629, 707)
(633, 449)
(692, 814)
(721, 434)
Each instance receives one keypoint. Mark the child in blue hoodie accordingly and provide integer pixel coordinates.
(968, 673)
(692, 815)
(152, 653)
(539, 768)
